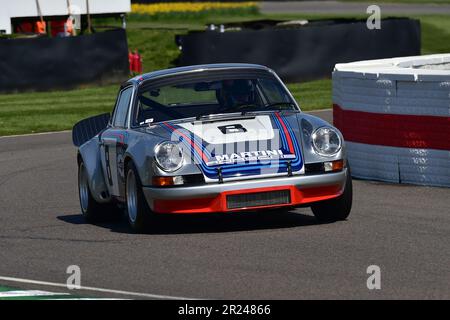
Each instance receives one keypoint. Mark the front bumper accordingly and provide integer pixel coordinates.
(304, 189)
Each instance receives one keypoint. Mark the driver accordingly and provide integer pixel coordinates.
(238, 93)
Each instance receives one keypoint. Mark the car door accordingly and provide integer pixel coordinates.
(114, 143)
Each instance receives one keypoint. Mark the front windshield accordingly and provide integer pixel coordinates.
(202, 98)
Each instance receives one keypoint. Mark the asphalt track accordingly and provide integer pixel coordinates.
(405, 230)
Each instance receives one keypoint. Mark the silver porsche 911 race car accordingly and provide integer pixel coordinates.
(209, 138)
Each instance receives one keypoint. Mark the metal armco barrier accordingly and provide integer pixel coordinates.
(395, 117)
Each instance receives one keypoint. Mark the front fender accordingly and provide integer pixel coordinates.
(141, 150)
(307, 124)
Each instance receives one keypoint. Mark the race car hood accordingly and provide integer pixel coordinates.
(235, 146)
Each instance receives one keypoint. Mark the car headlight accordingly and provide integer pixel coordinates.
(169, 156)
(326, 141)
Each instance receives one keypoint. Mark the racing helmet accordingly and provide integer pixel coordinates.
(238, 92)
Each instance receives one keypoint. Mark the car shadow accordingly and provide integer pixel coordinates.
(208, 223)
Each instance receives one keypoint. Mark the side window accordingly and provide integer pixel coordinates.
(120, 114)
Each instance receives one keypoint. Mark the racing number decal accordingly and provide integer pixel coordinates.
(108, 166)
(114, 153)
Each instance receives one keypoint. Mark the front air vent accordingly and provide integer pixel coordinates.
(258, 199)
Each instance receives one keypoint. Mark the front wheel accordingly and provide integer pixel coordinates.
(138, 212)
(338, 208)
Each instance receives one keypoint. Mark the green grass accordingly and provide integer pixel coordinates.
(154, 37)
(157, 47)
(435, 34)
(312, 95)
(52, 111)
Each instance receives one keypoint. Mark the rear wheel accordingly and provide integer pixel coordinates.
(138, 212)
(92, 210)
(338, 208)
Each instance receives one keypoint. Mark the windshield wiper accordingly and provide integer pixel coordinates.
(203, 116)
(216, 115)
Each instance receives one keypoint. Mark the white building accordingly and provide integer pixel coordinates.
(52, 8)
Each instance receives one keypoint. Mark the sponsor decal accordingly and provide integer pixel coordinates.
(250, 156)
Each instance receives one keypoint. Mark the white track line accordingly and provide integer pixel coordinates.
(34, 134)
(120, 292)
(28, 293)
(65, 299)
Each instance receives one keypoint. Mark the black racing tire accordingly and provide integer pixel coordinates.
(137, 210)
(338, 208)
(91, 210)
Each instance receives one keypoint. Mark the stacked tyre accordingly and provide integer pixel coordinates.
(395, 117)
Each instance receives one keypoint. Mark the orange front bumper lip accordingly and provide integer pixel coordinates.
(219, 202)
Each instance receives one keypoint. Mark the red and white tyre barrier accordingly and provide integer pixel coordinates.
(395, 117)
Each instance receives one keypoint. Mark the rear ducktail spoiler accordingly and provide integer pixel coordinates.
(86, 129)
